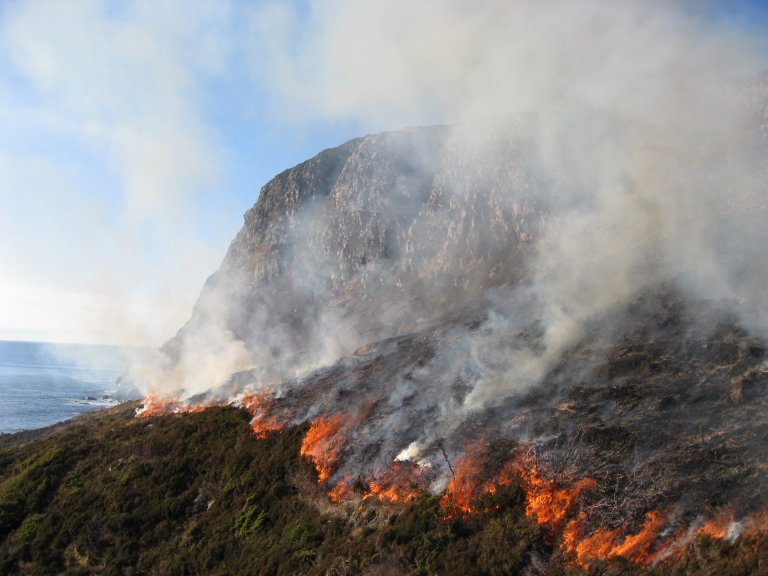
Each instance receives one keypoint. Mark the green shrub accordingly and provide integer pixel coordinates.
(249, 521)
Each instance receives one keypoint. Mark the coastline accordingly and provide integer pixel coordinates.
(8, 439)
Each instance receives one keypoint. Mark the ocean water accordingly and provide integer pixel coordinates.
(42, 384)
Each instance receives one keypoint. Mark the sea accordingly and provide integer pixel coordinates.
(43, 383)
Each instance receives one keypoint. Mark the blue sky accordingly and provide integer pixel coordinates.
(134, 134)
(95, 248)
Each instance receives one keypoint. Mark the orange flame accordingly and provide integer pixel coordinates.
(399, 485)
(326, 438)
(556, 508)
(341, 490)
(716, 527)
(551, 506)
(648, 546)
(641, 548)
(395, 493)
(470, 480)
(153, 405)
(546, 503)
(260, 405)
(192, 408)
(637, 547)
(597, 545)
(323, 442)
(466, 483)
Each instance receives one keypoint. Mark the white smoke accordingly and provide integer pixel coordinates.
(637, 118)
(109, 156)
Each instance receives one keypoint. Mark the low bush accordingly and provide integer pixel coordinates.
(200, 494)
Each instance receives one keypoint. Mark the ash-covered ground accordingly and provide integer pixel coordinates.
(665, 411)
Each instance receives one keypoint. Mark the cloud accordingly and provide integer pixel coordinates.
(452, 60)
(112, 95)
(125, 76)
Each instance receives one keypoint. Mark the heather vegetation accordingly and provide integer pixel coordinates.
(200, 494)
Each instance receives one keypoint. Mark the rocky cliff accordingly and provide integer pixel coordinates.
(380, 233)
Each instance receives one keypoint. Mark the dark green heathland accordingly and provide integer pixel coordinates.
(200, 494)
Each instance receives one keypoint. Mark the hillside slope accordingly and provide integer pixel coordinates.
(200, 494)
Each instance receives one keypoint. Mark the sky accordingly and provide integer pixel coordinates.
(135, 133)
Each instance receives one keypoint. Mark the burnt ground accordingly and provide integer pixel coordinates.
(664, 403)
(673, 416)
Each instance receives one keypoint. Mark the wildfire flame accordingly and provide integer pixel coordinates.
(545, 502)
(466, 483)
(550, 504)
(555, 507)
(718, 526)
(324, 440)
(260, 406)
(401, 484)
(326, 437)
(395, 493)
(341, 491)
(607, 543)
(648, 545)
(153, 405)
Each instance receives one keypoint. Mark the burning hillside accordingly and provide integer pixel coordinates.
(567, 297)
(450, 312)
(527, 335)
(631, 446)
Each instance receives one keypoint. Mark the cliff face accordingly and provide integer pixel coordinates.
(383, 197)
(375, 238)
(405, 217)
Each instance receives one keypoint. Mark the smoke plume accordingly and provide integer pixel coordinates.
(592, 151)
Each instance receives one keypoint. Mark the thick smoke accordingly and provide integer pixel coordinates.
(104, 125)
(598, 149)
